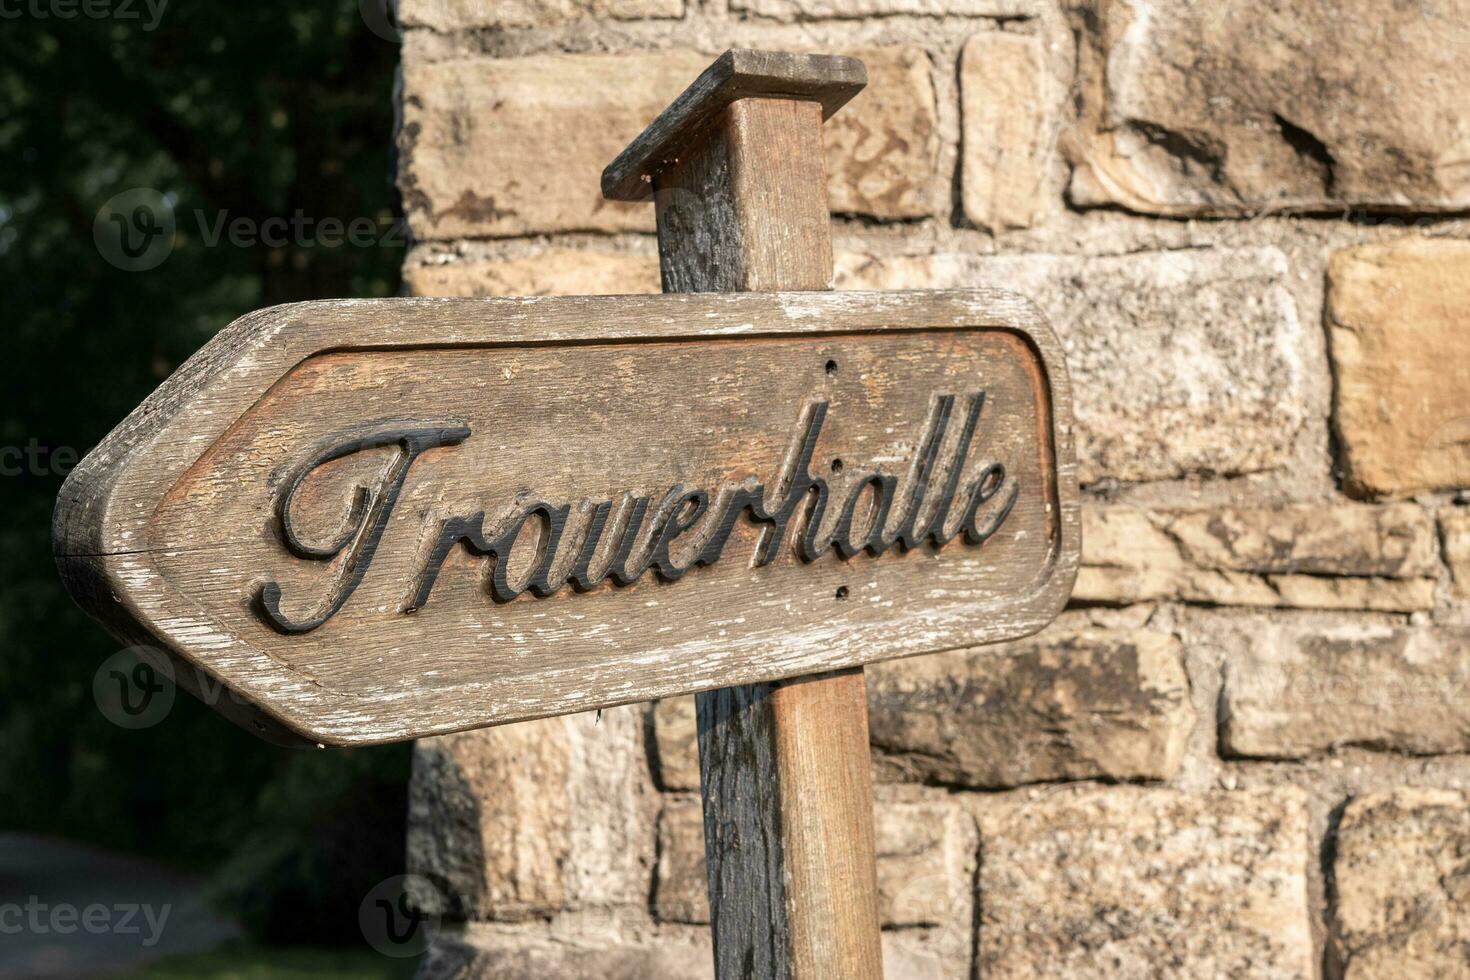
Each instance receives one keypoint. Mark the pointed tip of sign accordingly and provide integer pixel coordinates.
(828, 79)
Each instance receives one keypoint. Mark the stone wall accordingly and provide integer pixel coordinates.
(1245, 750)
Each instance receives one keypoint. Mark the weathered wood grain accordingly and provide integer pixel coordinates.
(788, 795)
(167, 530)
(744, 843)
(827, 80)
(731, 210)
(826, 792)
(785, 772)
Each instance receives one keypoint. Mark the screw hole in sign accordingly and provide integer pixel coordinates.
(841, 592)
(837, 466)
(831, 367)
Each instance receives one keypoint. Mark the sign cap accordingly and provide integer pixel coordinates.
(740, 73)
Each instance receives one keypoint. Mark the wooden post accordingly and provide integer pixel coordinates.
(736, 170)
(210, 521)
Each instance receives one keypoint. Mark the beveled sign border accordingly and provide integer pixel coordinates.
(100, 532)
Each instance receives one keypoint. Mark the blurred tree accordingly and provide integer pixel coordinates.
(268, 109)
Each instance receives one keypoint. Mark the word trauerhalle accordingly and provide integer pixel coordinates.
(379, 520)
(620, 546)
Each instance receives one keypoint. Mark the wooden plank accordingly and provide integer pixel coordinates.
(170, 529)
(728, 210)
(788, 795)
(821, 729)
(744, 841)
(784, 766)
(830, 81)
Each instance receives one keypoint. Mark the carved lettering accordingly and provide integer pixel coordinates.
(369, 515)
(601, 545)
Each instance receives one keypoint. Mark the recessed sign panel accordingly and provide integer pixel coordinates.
(386, 519)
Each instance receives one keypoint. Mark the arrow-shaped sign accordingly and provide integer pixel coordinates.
(378, 520)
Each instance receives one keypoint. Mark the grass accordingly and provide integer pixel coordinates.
(239, 962)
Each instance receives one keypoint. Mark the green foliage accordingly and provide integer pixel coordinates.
(298, 875)
(239, 110)
(249, 963)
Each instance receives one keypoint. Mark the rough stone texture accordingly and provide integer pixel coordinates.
(515, 146)
(552, 272)
(1203, 376)
(1402, 876)
(1399, 319)
(1454, 528)
(528, 819)
(1146, 883)
(1305, 689)
(1008, 127)
(883, 147)
(1193, 108)
(789, 10)
(926, 864)
(1070, 705)
(460, 15)
(926, 859)
(493, 953)
(681, 889)
(1313, 556)
(918, 955)
(602, 951)
(1182, 362)
(676, 737)
(1310, 592)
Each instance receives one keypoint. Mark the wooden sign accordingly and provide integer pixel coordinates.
(376, 520)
